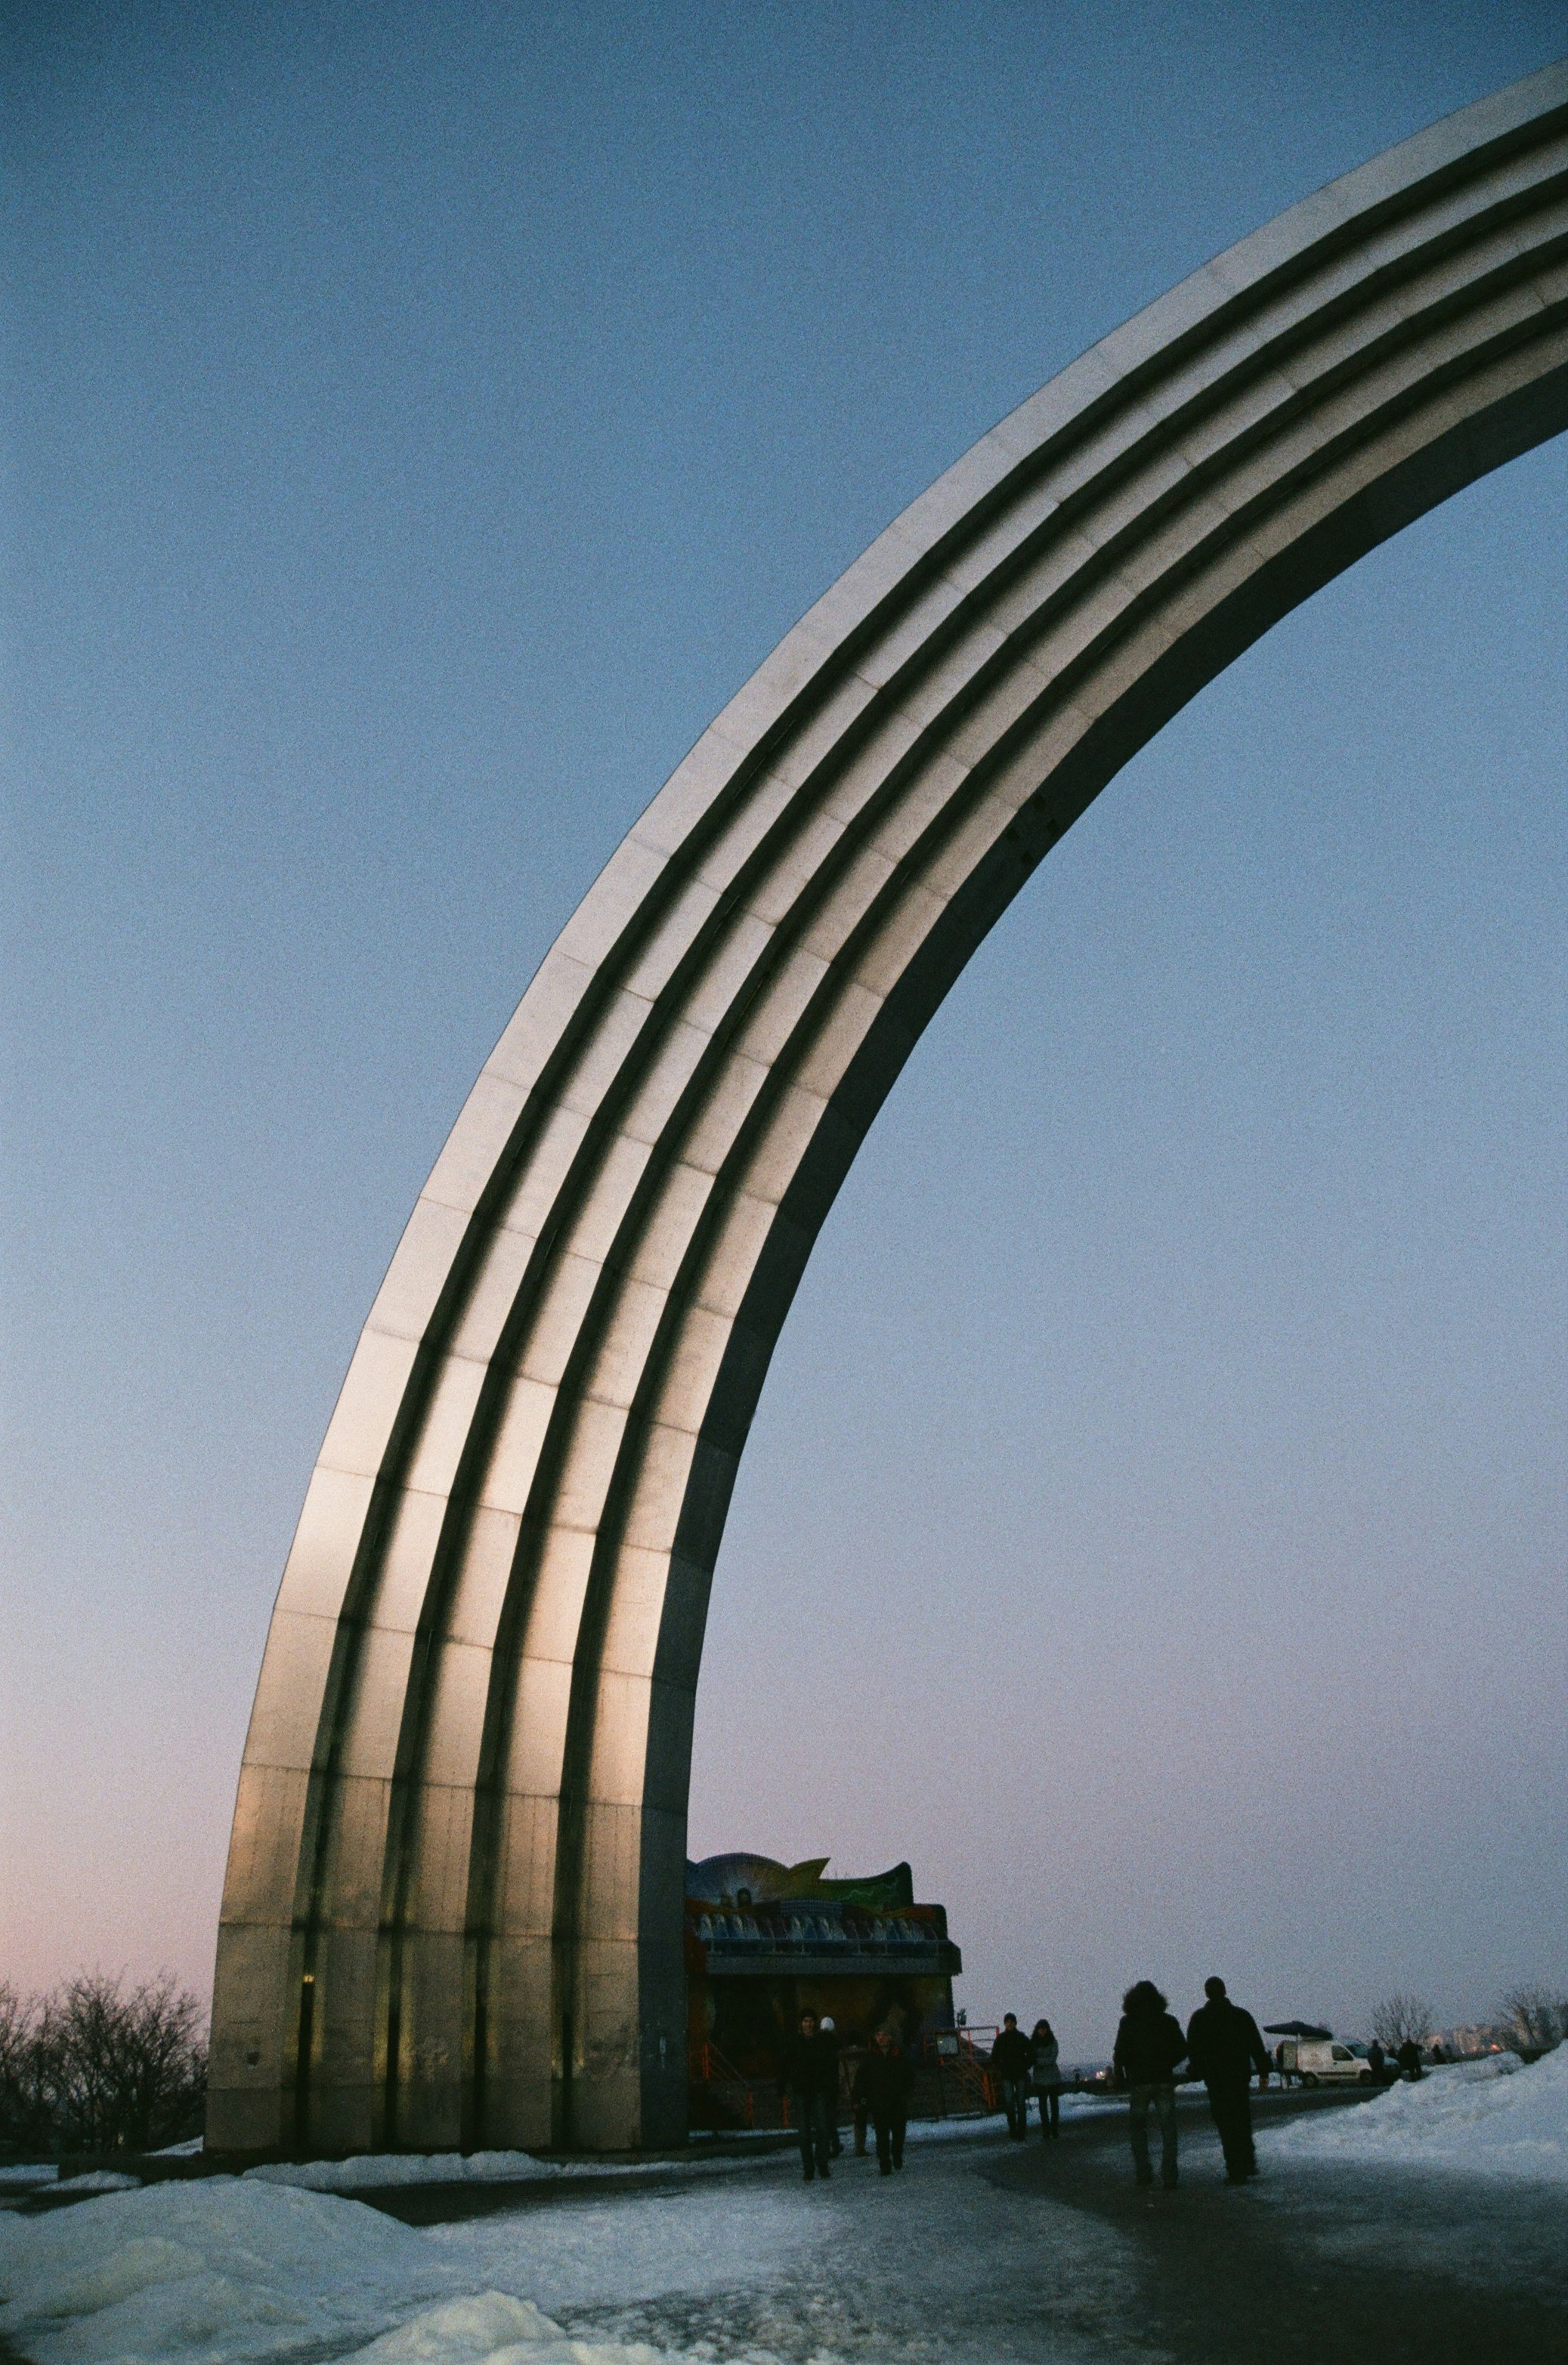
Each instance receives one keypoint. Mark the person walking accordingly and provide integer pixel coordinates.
(811, 2080)
(1149, 2045)
(883, 2088)
(1044, 2076)
(1224, 2047)
(1009, 2058)
(833, 2043)
(858, 2102)
(1409, 2059)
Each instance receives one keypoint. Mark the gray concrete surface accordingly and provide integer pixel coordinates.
(988, 2253)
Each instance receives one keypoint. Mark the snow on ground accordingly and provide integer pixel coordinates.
(227, 2270)
(493, 2329)
(1494, 2118)
(214, 2268)
(371, 2172)
(682, 2266)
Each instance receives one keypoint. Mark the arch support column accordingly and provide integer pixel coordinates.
(452, 1914)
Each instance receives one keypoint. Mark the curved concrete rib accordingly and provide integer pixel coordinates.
(453, 1905)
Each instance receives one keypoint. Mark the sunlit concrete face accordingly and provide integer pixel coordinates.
(453, 1913)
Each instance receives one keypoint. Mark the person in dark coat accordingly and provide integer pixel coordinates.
(1377, 2062)
(1149, 2045)
(1010, 2057)
(810, 2078)
(858, 2105)
(1224, 2047)
(1409, 2059)
(827, 2030)
(883, 2085)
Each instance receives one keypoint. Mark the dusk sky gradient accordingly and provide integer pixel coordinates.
(419, 421)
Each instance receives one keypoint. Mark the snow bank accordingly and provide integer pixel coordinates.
(206, 2271)
(381, 2171)
(227, 2270)
(1480, 2118)
(492, 2329)
(374, 2171)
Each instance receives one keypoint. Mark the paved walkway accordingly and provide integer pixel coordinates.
(1317, 2266)
(990, 2253)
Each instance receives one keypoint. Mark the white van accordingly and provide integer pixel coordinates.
(1329, 2064)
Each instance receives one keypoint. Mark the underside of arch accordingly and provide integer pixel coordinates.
(453, 1908)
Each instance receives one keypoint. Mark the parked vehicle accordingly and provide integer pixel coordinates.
(1329, 2064)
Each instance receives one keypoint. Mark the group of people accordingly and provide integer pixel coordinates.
(1022, 2066)
(884, 2081)
(1223, 2046)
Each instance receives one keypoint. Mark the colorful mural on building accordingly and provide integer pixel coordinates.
(765, 1940)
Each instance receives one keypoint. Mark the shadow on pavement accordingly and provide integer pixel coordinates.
(1316, 2265)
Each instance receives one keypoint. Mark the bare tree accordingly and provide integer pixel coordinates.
(120, 2070)
(1401, 2019)
(1533, 2020)
(24, 2107)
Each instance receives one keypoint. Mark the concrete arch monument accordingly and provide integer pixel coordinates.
(453, 1907)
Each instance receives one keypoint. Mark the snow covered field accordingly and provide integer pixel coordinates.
(1494, 2118)
(386, 2172)
(982, 2253)
(248, 2272)
(240, 2270)
(251, 2271)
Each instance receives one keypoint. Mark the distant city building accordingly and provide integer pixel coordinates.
(767, 1941)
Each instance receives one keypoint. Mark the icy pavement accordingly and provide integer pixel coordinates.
(1494, 2118)
(983, 2252)
(754, 2266)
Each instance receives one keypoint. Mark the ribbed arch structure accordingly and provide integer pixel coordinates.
(452, 1910)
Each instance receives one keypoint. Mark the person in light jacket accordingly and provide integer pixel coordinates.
(1044, 2076)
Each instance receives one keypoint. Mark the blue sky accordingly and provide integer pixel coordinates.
(420, 422)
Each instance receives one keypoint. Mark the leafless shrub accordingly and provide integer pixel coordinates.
(24, 2109)
(100, 2067)
(1533, 2019)
(1401, 2019)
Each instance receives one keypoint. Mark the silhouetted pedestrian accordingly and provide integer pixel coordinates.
(1409, 2059)
(1009, 2058)
(1377, 2062)
(1044, 2076)
(883, 2085)
(811, 2080)
(828, 2031)
(1224, 2045)
(1149, 2045)
(861, 2108)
